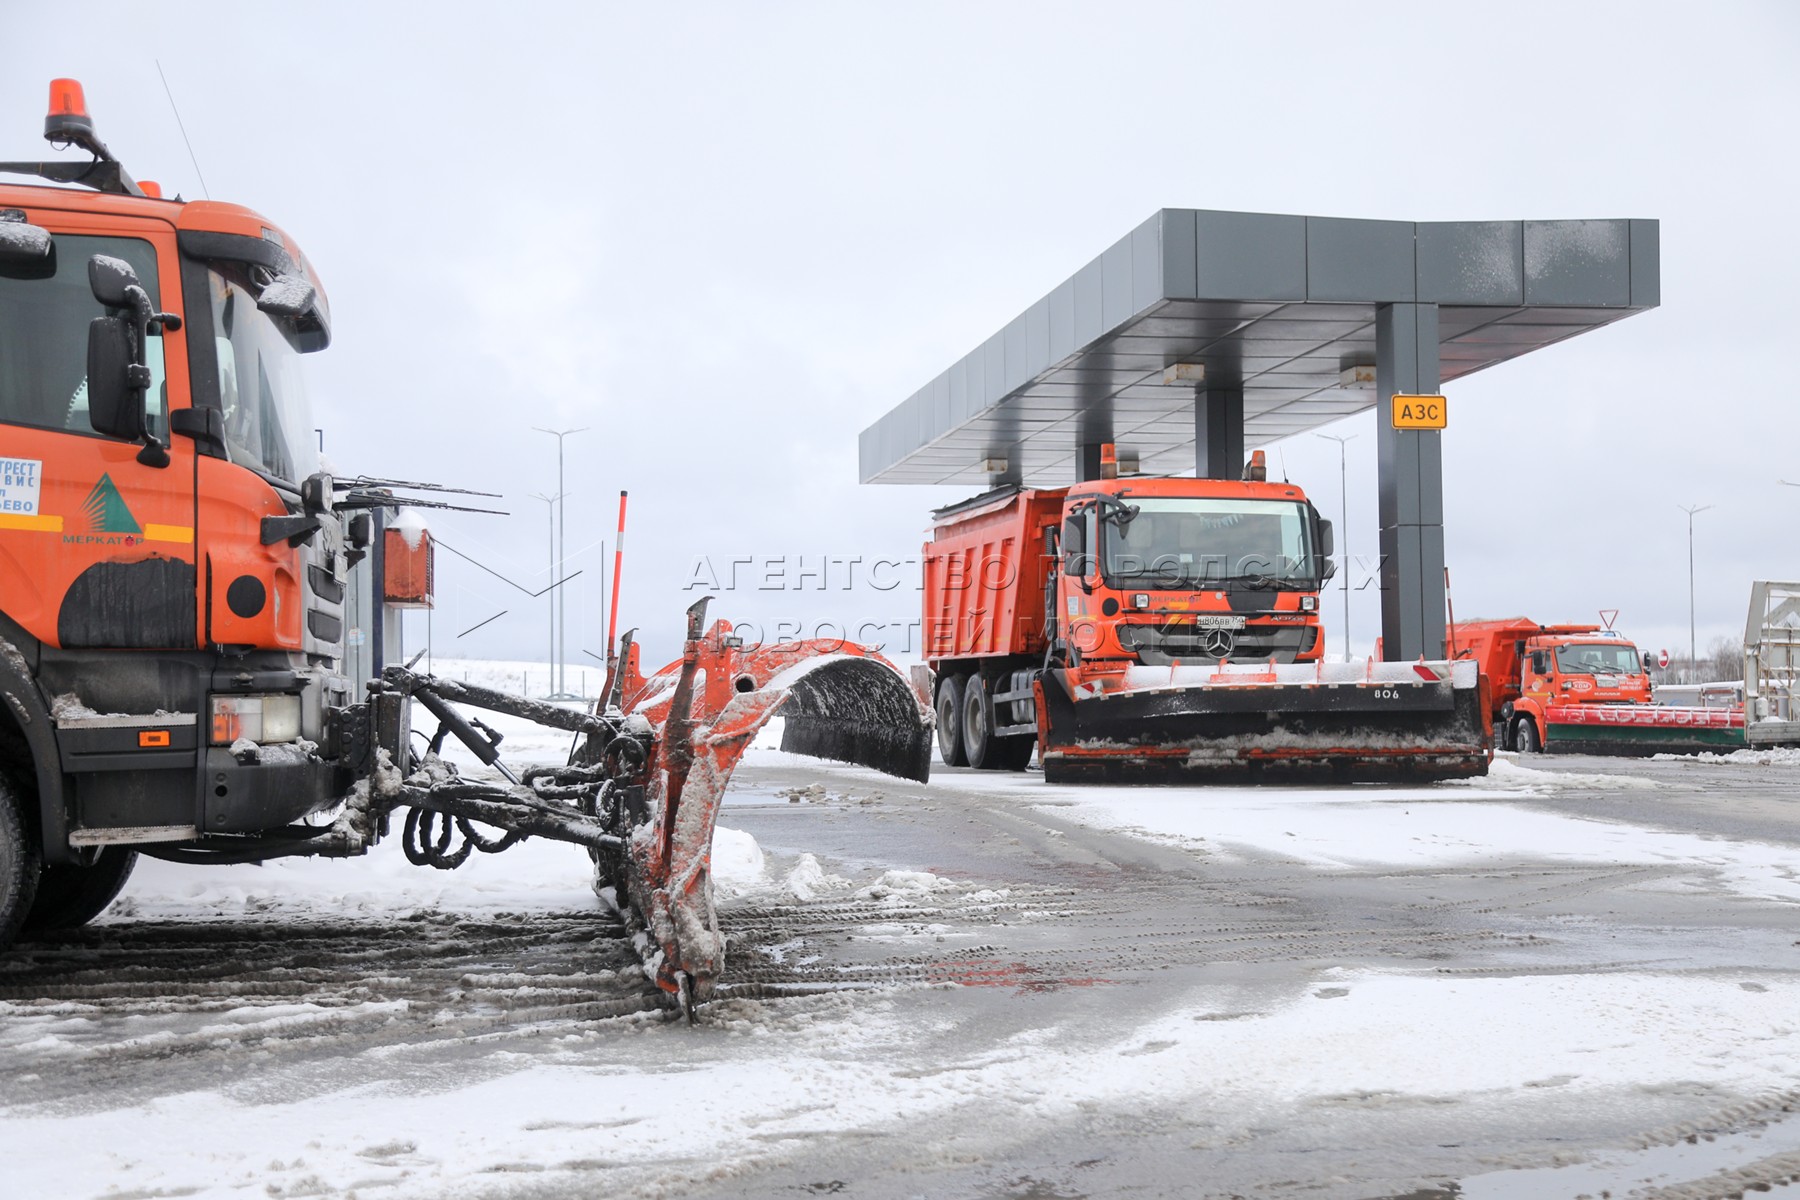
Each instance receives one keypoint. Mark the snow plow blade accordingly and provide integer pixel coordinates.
(1642, 730)
(700, 714)
(1249, 723)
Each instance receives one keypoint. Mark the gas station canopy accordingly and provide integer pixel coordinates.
(1282, 309)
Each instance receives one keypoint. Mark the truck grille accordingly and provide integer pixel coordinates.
(1159, 645)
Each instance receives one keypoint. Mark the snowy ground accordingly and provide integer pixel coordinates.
(1541, 984)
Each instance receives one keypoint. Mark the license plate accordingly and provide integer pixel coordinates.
(1218, 622)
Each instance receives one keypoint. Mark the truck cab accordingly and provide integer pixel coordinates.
(174, 566)
(1158, 571)
(1593, 668)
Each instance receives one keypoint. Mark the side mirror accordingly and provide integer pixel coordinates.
(1330, 571)
(22, 244)
(112, 280)
(118, 368)
(1649, 662)
(1327, 540)
(115, 407)
(1540, 662)
(287, 296)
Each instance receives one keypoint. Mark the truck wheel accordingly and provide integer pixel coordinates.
(949, 721)
(19, 868)
(980, 746)
(1014, 753)
(70, 897)
(1525, 736)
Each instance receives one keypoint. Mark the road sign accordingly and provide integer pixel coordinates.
(1662, 658)
(1420, 412)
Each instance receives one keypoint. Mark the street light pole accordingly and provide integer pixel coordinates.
(551, 501)
(1343, 525)
(1693, 654)
(559, 605)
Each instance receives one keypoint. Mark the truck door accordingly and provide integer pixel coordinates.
(96, 548)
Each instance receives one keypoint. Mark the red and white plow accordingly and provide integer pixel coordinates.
(679, 735)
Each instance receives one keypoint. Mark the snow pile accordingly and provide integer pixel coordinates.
(901, 886)
(534, 876)
(1357, 828)
(1507, 773)
(737, 861)
(1773, 756)
(410, 525)
(808, 879)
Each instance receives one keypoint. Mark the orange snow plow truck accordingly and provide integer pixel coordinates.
(1581, 689)
(180, 577)
(1144, 629)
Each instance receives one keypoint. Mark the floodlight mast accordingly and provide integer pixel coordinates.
(559, 606)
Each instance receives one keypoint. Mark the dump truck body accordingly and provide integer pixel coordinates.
(1138, 628)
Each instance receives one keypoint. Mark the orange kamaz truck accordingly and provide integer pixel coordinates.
(1137, 629)
(1581, 689)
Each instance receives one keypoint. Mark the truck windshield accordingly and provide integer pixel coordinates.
(268, 421)
(44, 313)
(1173, 542)
(1612, 658)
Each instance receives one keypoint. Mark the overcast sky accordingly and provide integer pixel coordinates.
(728, 237)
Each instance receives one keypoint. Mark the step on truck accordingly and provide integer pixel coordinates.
(1137, 629)
(175, 567)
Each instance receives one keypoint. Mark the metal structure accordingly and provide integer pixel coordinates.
(1201, 334)
(1343, 445)
(1693, 641)
(1772, 663)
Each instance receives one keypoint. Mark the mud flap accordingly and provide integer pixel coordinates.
(1280, 725)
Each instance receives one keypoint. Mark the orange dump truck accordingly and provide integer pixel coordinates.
(1580, 689)
(1141, 629)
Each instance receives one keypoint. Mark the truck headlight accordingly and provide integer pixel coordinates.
(264, 719)
(1309, 603)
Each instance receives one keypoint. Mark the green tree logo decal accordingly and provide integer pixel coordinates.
(106, 511)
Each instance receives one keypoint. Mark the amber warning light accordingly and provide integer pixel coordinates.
(68, 108)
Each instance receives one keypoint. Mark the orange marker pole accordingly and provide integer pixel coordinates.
(612, 615)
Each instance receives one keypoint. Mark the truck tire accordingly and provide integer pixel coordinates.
(1525, 736)
(19, 864)
(70, 897)
(949, 721)
(1014, 752)
(979, 745)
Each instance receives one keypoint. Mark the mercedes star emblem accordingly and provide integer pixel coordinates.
(1216, 642)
